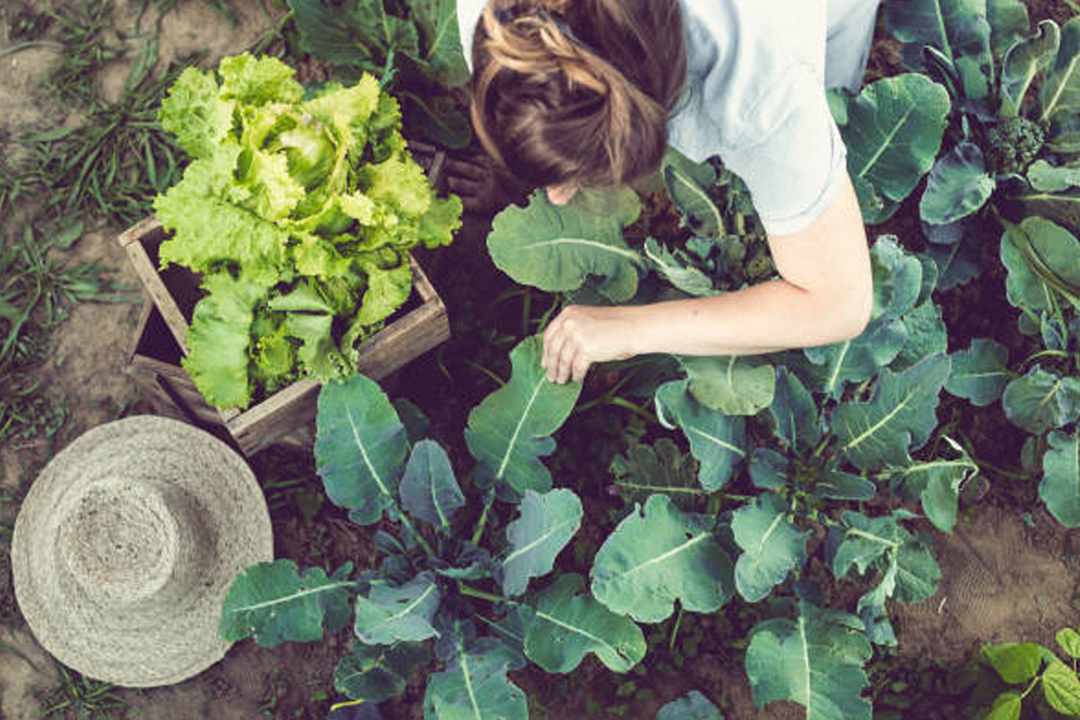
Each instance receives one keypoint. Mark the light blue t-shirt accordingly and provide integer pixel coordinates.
(756, 74)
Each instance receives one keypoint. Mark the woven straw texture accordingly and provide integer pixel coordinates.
(125, 547)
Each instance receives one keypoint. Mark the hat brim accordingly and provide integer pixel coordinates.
(147, 643)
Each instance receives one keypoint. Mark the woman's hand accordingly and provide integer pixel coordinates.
(581, 335)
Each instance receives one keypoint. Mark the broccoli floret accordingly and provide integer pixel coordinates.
(1014, 143)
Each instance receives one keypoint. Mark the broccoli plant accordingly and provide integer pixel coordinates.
(1010, 152)
(812, 441)
(1041, 393)
(448, 582)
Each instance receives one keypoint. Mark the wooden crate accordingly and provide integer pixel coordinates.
(288, 415)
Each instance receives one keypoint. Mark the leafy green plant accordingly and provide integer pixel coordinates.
(1041, 394)
(412, 44)
(810, 438)
(1009, 149)
(447, 581)
(1001, 680)
(299, 214)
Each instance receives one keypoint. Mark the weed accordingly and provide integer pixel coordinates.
(88, 698)
(80, 29)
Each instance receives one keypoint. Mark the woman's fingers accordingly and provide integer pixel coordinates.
(466, 169)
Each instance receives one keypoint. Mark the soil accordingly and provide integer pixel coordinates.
(1004, 579)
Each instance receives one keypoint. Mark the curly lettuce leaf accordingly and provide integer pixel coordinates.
(400, 182)
(194, 112)
(387, 291)
(440, 222)
(219, 337)
(256, 81)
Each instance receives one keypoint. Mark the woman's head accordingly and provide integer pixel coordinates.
(568, 92)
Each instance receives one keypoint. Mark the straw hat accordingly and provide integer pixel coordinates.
(125, 547)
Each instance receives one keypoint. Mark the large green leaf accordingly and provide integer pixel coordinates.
(546, 525)
(908, 570)
(555, 248)
(273, 602)
(658, 555)
(1059, 94)
(374, 673)
(404, 613)
(474, 685)
(771, 546)
(1023, 62)
(428, 488)
(1040, 400)
(511, 429)
(567, 626)
(1008, 23)
(795, 415)
(815, 658)
(692, 706)
(958, 186)
(979, 373)
(893, 134)
(716, 440)
(360, 447)
(1060, 486)
(733, 384)
(900, 415)
(688, 183)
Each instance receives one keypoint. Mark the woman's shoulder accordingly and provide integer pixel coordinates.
(749, 63)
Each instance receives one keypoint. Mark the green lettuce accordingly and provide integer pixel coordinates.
(299, 210)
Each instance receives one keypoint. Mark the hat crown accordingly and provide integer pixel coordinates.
(129, 541)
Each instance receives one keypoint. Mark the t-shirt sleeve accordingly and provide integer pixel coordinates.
(468, 15)
(795, 165)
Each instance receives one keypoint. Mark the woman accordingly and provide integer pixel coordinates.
(571, 93)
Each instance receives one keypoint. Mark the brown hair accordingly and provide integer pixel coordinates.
(577, 90)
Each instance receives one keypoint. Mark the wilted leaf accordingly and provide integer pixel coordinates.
(658, 468)
(688, 184)
(936, 483)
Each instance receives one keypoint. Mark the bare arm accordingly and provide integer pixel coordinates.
(824, 296)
